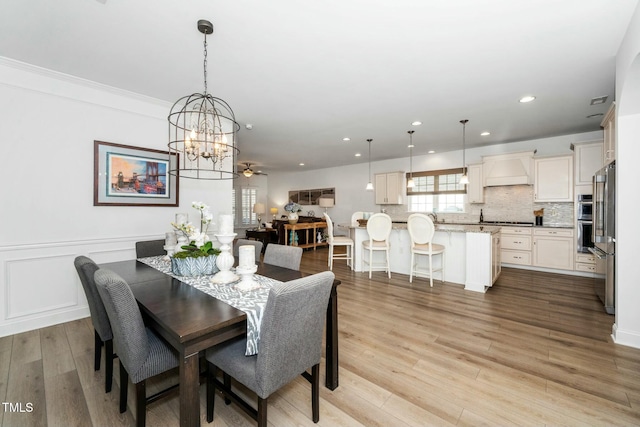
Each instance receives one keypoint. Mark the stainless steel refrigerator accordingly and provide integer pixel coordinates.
(604, 233)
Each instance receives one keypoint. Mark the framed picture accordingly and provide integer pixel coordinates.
(132, 176)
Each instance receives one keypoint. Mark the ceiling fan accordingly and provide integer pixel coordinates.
(248, 172)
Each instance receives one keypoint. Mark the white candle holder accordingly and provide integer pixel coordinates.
(247, 281)
(225, 260)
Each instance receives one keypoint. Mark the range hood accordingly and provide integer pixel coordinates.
(508, 169)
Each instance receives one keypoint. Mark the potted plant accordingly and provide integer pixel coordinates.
(198, 257)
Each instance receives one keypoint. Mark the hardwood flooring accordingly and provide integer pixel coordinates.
(534, 350)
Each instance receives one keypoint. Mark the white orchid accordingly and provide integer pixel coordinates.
(206, 217)
(199, 238)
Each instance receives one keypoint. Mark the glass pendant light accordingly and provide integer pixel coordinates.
(370, 183)
(410, 183)
(464, 179)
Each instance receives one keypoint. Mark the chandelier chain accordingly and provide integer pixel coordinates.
(205, 63)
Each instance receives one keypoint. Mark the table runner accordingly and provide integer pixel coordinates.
(251, 302)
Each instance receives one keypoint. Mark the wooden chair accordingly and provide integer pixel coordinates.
(103, 336)
(379, 230)
(141, 352)
(283, 256)
(334, 241)
(290, 343)
(421, 231)
(150, 248)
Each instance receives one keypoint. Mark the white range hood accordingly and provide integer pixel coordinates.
(508, 169)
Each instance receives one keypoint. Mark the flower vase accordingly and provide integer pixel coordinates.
(200, 266)
(293, 217)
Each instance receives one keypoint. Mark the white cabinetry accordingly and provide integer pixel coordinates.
(475, 193)
(496, 252)
(553, 181)
(482, 261)
(587, 263)
(389, 188)
(553, 248)
(609, 126)
(588, 158)
(516, 245)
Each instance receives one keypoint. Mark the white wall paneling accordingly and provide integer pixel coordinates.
(49, 123)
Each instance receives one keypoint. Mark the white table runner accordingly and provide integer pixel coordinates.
(251, 302)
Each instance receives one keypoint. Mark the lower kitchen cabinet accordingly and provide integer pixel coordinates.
(587, 263)
(516, 245)
(553, 248)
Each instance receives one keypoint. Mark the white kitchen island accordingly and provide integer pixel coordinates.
(472, 254)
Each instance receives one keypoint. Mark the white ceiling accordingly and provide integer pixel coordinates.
(306, 74)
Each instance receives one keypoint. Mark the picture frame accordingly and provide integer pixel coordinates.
(125, 175)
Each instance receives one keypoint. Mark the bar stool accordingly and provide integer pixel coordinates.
(334, 241)
(421, 231)
(379, 230)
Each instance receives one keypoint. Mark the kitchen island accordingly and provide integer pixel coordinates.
(472, 254)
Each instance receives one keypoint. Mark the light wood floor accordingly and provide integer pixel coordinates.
(534, 350)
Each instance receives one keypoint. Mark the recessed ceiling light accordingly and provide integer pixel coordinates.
(346, 139)
(301, 164)
(485, 133)
(527, 98)
(430, 152)
(416, 123)
(598, 100)
(591, 116)
(358, 154)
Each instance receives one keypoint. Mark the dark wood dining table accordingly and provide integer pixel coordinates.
(192, 321)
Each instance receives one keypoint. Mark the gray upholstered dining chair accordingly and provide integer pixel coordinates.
(142, 353)
(149, 248)
(101, 326)
(242, 242)
(290, 343)
(283, 256)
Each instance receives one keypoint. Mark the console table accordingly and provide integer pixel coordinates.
(306, 227)
(265, 235)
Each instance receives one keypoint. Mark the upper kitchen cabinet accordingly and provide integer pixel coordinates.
(553, 179)
(609, 126)
(588, 157)
(475, 193)
(389, 188)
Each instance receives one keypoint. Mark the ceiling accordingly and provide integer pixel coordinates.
(306, 74)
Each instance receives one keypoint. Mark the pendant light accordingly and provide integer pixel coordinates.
(410, 183)
(370, 183)
(202, 132)
(464, 179)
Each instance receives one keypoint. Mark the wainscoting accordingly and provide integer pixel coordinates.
(39, 283)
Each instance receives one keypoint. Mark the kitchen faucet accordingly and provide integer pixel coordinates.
(433, 216)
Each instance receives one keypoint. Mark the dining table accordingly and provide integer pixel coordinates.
(191, 321)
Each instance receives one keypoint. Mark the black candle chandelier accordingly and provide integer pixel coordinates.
(203, 132)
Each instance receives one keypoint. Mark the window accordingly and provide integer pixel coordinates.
(249, 198)
(437, 191)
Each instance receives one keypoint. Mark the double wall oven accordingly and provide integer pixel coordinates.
(585, 222)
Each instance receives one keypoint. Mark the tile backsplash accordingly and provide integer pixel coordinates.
(507, 203)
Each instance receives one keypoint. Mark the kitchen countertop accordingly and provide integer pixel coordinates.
(450, 227)
(468, 227)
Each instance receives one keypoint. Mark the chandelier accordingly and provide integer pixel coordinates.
(203, 132)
